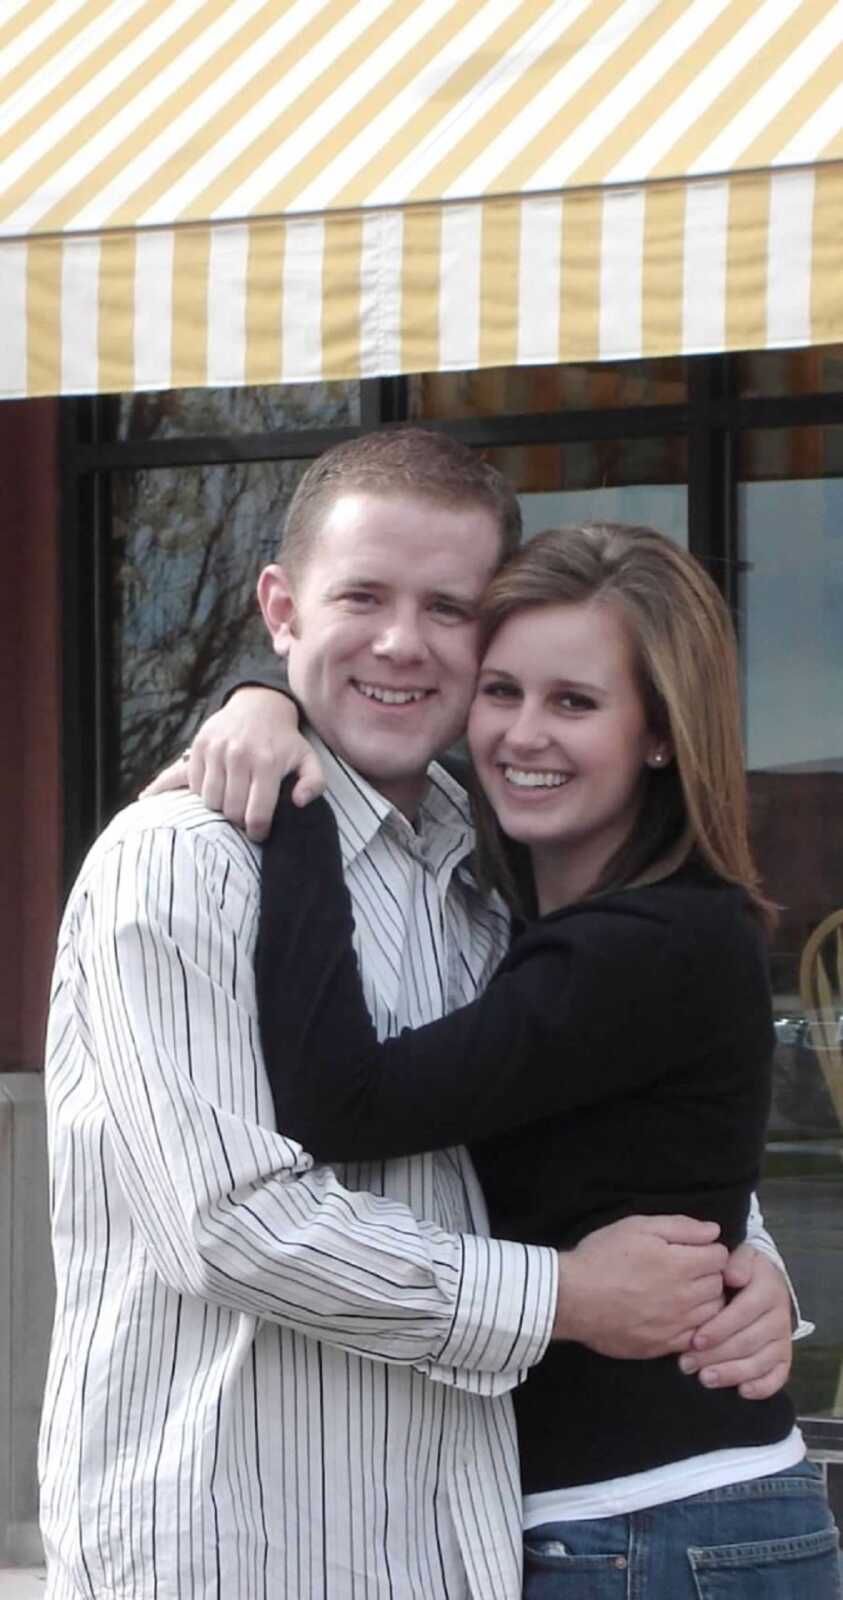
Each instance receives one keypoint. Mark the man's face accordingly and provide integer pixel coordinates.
(380, 632)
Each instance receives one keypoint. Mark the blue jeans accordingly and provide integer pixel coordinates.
(768, 1539)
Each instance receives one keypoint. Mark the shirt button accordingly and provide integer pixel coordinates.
(621, 1563)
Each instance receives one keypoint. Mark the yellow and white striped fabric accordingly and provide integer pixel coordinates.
(253, 191)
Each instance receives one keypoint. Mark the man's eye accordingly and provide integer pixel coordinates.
(358, 597)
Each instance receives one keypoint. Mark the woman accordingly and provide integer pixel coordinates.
(618, 1062)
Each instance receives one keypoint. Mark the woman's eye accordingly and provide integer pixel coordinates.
(576, 702)
(450, 610)
(499, 691)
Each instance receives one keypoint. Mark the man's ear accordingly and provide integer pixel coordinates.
(278, 607)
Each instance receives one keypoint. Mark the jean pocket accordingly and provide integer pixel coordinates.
(551, 1569)
(806, 1565)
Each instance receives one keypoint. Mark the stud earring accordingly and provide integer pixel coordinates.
(657, 759)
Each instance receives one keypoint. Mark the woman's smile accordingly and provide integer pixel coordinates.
(559, 736)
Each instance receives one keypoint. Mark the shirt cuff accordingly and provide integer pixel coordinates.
(800, 1328)
(506, 1306)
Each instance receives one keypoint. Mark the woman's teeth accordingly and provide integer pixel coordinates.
(524, 779)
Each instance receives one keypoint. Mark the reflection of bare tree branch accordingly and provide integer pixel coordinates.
(189, 546)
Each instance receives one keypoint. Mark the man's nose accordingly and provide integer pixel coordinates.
(401, 638)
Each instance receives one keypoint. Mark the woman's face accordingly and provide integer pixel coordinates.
(559, 737)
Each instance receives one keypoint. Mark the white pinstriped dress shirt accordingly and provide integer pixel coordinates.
(269, 1379)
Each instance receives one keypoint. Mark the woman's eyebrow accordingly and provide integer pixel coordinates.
(457, 597)
(553, 683)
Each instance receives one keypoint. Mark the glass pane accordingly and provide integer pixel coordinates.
(791, 533)
(172, 413)
(590, 387)
(786, 453)
(188, 545)
(615, 480)
(772, 372)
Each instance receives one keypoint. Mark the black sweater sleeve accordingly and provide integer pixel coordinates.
(575, 1014)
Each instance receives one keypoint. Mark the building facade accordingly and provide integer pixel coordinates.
(131, 544)
(599, 240)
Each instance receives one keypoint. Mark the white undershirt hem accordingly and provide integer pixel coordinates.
(659, 1485)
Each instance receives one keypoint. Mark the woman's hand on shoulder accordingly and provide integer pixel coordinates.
(241, 756)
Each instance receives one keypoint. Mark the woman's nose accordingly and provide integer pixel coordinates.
(527, 730)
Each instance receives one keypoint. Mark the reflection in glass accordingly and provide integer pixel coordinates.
(816, 370)
(188, 545)
(172, 413)
(614, 480)
(791, 605)
(520, 390)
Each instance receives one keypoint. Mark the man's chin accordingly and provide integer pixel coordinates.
(387, 760)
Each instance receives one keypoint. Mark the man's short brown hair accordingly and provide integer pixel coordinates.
(415, 462)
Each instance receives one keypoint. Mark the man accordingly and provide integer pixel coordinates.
(269, 1378)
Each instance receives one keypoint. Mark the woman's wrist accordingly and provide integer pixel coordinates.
(259, 686)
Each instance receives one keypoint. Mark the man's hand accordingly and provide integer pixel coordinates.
(240, 757)
(640, 1287)
(747, 1346)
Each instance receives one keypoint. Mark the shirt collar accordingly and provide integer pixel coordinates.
(443, 830)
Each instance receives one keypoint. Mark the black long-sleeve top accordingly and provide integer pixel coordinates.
(618, 1063)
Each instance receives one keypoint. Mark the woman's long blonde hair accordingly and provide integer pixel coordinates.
(686, 658)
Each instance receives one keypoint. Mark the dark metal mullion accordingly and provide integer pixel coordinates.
(371, 404)
(103, 619)
(775, 411)
(566, 427)
(384, 402)
(551, 427)
(79, 655)
(211, 449)
(711, 520)
(395, 400)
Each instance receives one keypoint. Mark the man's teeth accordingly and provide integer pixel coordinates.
(391, 697)
(528, 779)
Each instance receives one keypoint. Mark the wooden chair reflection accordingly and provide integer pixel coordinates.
(821, 991)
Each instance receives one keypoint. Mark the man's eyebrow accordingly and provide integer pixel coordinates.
(353, 580)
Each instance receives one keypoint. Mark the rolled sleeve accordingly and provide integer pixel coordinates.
(761, 1240)
(504, 1311)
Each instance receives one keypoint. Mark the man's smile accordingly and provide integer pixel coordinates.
(390, 697)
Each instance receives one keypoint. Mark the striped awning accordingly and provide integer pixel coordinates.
(213, 192)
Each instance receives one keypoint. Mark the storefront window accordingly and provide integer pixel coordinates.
(172, 413)
(187, 547)
(817, 370)
(790, 525)
(596, 386)
(609, 480)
